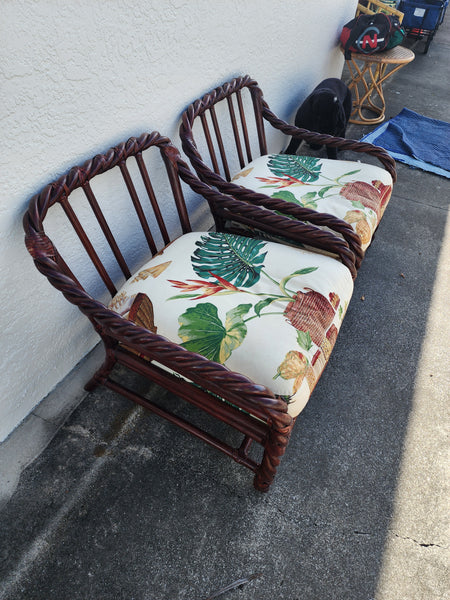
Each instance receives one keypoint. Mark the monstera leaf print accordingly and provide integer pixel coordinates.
(237, 259)
(308, 200)
(304, 168)
(203, 332)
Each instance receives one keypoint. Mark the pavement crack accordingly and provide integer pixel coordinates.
(417, 542)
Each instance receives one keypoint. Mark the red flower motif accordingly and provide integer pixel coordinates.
(385, 191)
(366, 193)
(280, 181)
(311, 312)
(207, 287)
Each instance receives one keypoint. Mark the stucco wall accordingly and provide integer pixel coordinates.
(78, 77)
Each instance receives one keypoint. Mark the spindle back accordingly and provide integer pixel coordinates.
(103, 216)
(229, 131)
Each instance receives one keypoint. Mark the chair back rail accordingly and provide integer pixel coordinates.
(80, 177)
(228, 100)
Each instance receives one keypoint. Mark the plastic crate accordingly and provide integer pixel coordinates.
(426, 15)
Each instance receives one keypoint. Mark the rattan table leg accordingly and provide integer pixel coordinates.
(367, 82)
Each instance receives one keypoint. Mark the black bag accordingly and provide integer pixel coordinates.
(367, 34)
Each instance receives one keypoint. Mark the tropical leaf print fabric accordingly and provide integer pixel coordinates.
(357, 193)
(268, 311)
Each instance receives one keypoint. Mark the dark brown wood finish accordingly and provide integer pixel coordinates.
(231, 93)
(250, 408)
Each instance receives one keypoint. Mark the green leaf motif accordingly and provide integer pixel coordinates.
(286, 196)
(304, 340)
(348, 174)
(183, 296)
(304, 168)
(324, 190)
(202, 331)
(236, 330)
(235, 258)
(307, 200)
(304, 271)
(263, 303)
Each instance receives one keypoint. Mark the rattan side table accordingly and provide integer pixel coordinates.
(368, 73)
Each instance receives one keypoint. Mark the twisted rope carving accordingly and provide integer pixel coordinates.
(329, 140)
(275, 448)
(232, 208)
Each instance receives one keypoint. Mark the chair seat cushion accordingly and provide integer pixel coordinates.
(268, 311)
(355, 192)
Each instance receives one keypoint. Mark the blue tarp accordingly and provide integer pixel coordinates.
(415, 140)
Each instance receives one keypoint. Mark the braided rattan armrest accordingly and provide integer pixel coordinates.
(334, 142)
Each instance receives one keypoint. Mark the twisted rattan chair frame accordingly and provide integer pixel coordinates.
(220, 178)
(250, 408)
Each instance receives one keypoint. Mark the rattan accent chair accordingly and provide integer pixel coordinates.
(223, 134)
(217, 319)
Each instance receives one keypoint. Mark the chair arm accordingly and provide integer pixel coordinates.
(329, 140)
(352, 242)
(293, 230)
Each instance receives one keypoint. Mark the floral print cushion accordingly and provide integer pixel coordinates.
(356, 192)
(268, 311)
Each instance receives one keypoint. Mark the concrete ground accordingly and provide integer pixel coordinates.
(122, 505)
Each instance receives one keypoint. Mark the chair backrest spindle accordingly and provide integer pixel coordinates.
(138, 207)
(244, 127)
(257, 101)
(152, 197)
(235, 131)
(177, 192)
(209, 143)
(84, 239)
(220, 144)
(106, 229)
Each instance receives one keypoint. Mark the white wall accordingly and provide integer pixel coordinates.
(78, 77)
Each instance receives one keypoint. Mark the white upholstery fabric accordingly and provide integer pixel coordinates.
(355, 192)
(268, 311)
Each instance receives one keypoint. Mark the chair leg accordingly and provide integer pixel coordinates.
(275, 447)
(102, 373)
